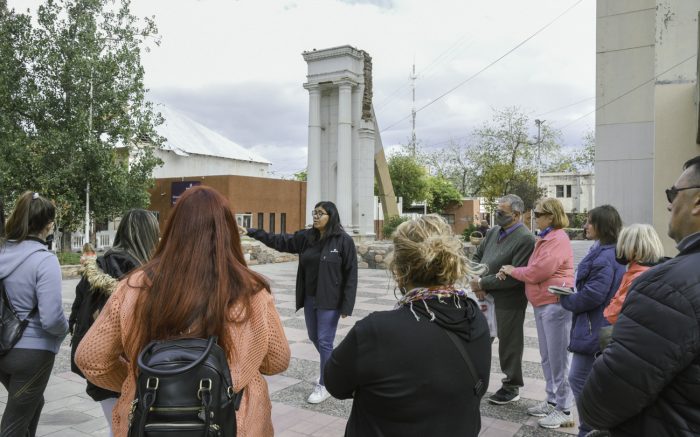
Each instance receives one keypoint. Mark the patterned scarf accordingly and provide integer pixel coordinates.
(421, 294)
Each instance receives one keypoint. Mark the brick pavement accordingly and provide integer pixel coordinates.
(70, 412)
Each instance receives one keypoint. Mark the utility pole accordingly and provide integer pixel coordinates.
(413, 110)
(538, 123)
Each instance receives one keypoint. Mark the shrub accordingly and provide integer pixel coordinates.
(391, 224)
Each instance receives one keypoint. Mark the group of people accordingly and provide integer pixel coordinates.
(420, 369)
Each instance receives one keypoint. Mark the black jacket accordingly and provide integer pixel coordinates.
(91, 294)
(337, 273)
(407, 377)
(647, 381)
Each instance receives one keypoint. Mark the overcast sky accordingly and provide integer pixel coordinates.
(236, 66)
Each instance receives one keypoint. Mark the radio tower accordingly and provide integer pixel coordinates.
(413, 77)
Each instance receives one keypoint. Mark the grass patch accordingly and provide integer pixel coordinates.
(68, 258)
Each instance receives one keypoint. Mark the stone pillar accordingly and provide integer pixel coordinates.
(344, 183)
(365, 180)
(313, 170)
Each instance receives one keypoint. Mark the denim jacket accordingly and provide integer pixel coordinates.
(597, 279)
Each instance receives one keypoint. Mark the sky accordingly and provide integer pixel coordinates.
(236, 65)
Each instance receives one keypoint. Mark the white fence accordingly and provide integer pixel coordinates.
(104, 240)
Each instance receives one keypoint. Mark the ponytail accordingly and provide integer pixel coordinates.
(31, 215)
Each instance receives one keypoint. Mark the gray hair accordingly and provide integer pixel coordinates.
(514, 201)
(138, 234)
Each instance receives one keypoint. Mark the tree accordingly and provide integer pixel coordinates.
(585, 156)
(409, 177)
(300, 175)
(442, 193)
(74, 107)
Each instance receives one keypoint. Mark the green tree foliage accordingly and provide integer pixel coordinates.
(300, 175)
(409, 177)
(441, 194)
(73, 108)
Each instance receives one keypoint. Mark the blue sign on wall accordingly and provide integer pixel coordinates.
(177, 189)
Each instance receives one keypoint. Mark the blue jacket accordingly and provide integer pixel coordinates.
(33, 278)
(597, 279)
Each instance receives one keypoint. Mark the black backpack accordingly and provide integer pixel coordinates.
(184, 389)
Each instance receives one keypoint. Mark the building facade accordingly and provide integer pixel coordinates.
(576, 191)
(646, 100)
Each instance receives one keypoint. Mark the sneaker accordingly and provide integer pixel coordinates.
(541, 410)
(503, 396)
(557, 419)
(319, 395)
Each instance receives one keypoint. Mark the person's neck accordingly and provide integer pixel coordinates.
(505, 228)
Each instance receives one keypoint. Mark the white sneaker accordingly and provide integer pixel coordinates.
(319, 395)
(556, 419)
(541, 410)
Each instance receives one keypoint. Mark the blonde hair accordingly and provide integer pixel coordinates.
(426, 252)
(554, 207)
(639, 242)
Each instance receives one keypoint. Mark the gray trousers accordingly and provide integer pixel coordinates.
(510, 344)
(553, 328)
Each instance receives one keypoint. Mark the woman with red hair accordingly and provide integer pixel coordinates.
(196, 285)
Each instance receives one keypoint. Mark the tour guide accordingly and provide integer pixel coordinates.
(326, 279)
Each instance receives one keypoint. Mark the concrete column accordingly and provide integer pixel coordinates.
(313, 169)
(344, 183)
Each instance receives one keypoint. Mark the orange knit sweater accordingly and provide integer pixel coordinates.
(261, 348)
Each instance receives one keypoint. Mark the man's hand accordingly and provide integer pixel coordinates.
(474, 284)
(481, 295)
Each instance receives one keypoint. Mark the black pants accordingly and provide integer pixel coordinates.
(25, 374)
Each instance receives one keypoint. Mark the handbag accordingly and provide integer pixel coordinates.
(11, 327)
(488, 309)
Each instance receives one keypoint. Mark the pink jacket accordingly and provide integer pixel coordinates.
(552, 263)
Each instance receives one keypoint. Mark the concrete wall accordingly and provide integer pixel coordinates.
(247, 195)
(648, 126)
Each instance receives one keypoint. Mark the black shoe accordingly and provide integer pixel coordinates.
(503, 396)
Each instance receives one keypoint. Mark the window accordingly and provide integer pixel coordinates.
(272, 222)
(261, 220)
(450, 218)
(568, 191)
(560, 191)
(244, 220)
(283, 222)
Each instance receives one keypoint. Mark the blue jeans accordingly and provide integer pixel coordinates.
(581, 366)
(321, 326)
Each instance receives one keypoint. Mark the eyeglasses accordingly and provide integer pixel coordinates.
(540, 214)
(318, 214)
(672, 192)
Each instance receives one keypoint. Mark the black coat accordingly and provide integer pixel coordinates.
(647, 381)
(91, 294)
(337, 272)
(407, 377)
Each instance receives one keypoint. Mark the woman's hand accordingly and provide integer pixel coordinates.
(243, 232)
(505, 270)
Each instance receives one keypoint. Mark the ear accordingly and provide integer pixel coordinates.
(695, 210)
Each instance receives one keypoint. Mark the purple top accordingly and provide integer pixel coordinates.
(503, 233)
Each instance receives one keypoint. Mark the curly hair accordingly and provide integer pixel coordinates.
(426, 252)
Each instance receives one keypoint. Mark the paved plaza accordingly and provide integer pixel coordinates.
(70, 412)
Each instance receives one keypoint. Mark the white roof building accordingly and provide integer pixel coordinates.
(192, 149)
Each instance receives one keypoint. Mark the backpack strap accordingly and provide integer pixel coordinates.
(479, 387)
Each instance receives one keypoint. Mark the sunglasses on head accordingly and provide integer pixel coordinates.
(672, 192)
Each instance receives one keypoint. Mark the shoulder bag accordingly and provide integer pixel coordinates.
(11, 327)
